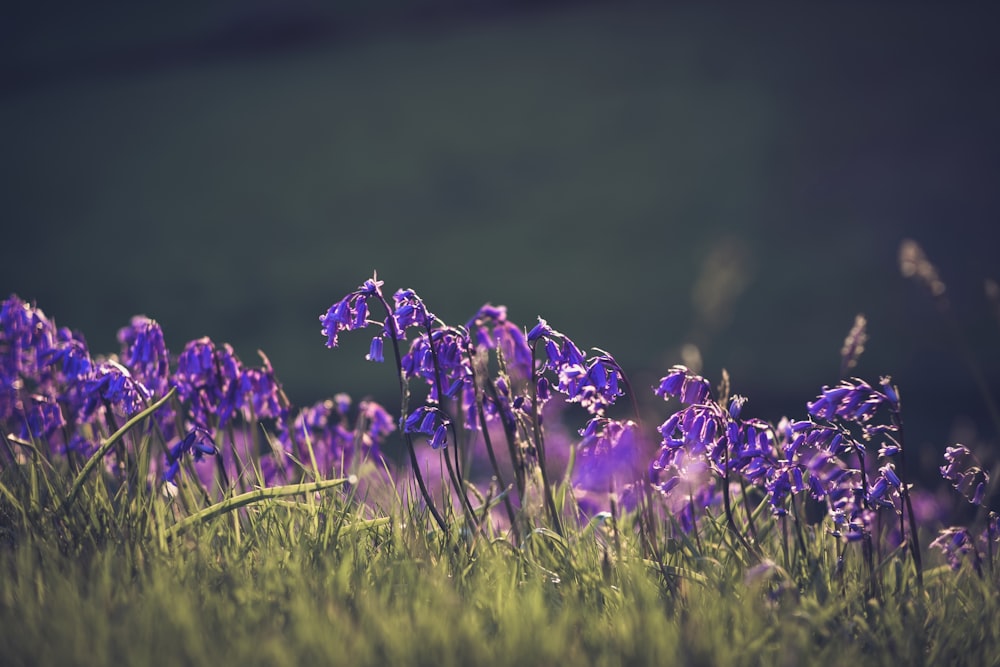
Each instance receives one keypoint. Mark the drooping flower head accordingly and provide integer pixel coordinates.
(145, 354)
(351, 312)
(592, 382)
(208, 380)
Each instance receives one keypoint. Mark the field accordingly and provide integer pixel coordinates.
(161, 508)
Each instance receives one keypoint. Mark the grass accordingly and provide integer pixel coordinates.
(319, 579)
(269, 536)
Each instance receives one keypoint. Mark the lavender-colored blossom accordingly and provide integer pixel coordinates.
(112, 383)
(375, 350)
(429, 420)
(260, 394)
(966, 475)
(851, 400)
(351, 312)
(26, 337)
(608, 454)
(208, 380)
(41, 418)
(326, 428)
(409, 311)
(70, 356)
(681, 383)
(593, 383)
(144, 352)
(955, 542)
(490, 329)
(442, 362)
(197, 442)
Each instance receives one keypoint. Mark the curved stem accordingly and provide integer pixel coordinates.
(404, 401)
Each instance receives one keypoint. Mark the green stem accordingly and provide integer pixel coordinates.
(235, 502)
(108, 444)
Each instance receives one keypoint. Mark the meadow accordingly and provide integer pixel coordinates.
(515, 507)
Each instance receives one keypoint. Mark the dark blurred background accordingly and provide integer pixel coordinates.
(645, 176)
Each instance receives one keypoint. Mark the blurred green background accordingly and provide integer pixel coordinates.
(642, 175)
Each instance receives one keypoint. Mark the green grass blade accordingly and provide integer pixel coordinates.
(108, 444)
(251, 497)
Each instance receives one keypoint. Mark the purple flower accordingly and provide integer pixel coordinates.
(208, 379)
(375, 350)
(593, 383)
(609, 454)
(851, 400)
(197, 442)
(431, 421)
(490, 329)
(440, 360)
(42, 417)
(966, 475)
(145, 353)
(409, 311)
(113, 383)
(955, 543)
(26, 336)
(259, 394)
(351, 312)
(681, 383)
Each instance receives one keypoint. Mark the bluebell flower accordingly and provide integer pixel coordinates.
(375, 350)
(197, 442)
(351, 312)
(441, 359)
(409, 311)
(26, 335)
(208, 380)
(593, 383)
(681, 383)
(428, 420)
(955, 542)
(71, 355)
(113, 383)
(42, 417)
(852, 400)
(490, 329)
(260, 393)
(609, 452)
(965, 473)
(145, 353)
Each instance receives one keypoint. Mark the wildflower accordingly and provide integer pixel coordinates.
(351, 312)
(431, 421)
(852, 400)
(42, 418)
(967, 477)
(259, 394)
(409, 311)
(685, 385)
(608, 452)
(197, 442)
(145, 353)
(113, 383)
(440, 360)
(208, 379)
(375, 350)
(955, 543)
(490, 329)
(593, 383)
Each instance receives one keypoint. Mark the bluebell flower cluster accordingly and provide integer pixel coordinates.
(963, 471)
(55, 393)
(593, 382)
(820, 457)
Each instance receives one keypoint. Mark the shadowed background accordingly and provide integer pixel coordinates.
(642, 176)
